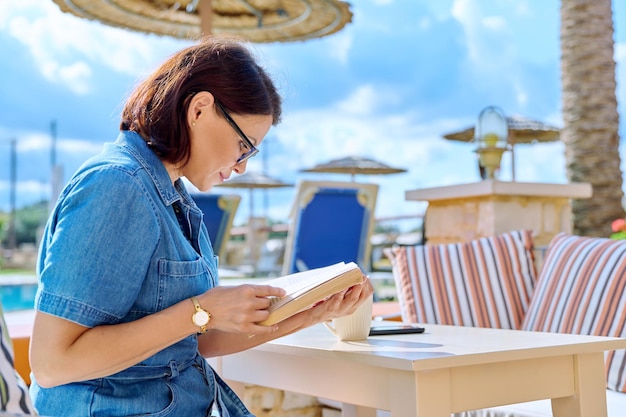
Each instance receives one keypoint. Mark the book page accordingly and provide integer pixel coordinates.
(304, 280)
(305, 289)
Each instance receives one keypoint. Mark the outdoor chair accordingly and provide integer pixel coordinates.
(492, 282)
(14, 397)
(485, 282)
(219, 211)
(330, 222)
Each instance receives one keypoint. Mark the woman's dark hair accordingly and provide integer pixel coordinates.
(157, 108)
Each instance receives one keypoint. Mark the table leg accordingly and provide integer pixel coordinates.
(589, 399)
(350, 410)
(238, 387)
(427, 395)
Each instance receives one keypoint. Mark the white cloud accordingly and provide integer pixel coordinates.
(467, 14)
(76, 76)
(34, 187)
(319, 135)
(540, 162)
(522, 8)
(424, 23)
(66, 47)
(494, 23)
(520, 94)
(79, 147)
(27, 192)
(620, 52)
(35, 190)
(441, 9)
(31, 142)
(339, 47)
(351, 124)
(361, 102)
(620, 60)
(33, 150)
(492, 50)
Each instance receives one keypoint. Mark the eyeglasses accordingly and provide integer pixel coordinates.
(252, 150)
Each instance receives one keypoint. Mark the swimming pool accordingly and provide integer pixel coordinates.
(18, 297)
(17, 292)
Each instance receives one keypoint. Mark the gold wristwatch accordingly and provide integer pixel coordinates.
(201, 317)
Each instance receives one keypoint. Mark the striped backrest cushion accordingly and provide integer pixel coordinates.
(485, 282)
(14, 395)
(581, 290)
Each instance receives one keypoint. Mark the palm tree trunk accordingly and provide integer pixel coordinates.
(590, 117)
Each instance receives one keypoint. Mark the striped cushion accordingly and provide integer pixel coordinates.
(14, 395)
(486, 282)
(581, 290)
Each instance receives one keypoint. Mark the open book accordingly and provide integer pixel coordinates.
(305, 289)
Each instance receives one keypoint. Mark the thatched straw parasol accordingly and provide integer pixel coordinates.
(256, 20)
(521, 130)
(354, 165)
(252, 180)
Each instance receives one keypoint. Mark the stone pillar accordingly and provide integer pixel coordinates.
(459, 213)
(256, 237)
(268, 402)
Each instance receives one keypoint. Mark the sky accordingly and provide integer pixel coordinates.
(388, 86)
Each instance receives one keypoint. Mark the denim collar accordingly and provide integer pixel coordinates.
(136, 145)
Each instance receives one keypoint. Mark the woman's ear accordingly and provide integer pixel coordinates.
(201, 103)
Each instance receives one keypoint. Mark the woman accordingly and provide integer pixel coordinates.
(128, 303)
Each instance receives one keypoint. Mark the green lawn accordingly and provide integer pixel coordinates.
(13, 271)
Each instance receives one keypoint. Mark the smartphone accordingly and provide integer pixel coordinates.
(396, 329)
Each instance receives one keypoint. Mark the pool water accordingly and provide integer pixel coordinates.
(18, 297)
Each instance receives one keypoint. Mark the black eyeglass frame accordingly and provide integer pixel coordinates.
(253, 150)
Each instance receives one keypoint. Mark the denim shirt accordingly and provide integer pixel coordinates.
(122, 243)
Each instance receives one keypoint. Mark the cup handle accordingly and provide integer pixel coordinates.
(330, 328)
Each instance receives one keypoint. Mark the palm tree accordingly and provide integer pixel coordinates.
(590, 117)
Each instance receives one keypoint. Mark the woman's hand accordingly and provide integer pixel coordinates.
(341, 304)
(239, 308)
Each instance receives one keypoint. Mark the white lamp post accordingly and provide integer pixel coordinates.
(491, 139)
(12, 236)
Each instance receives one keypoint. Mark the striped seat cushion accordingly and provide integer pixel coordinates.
(581, 290)
(14, 395)
(486, 282)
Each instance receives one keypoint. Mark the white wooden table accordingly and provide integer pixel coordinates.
(447, 369)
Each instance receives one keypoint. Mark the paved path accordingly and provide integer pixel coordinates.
(17, 279)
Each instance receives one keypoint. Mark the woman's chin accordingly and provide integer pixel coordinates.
(207, 183)
(204, 186)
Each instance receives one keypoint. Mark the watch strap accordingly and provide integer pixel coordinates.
(199, 309)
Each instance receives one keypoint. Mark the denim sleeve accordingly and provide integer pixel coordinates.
(97, 248)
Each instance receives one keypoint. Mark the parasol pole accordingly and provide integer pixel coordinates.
(512, 163)
(512, 146)
(266, 199)
(13, 181)
(206, 17)
(252, 232)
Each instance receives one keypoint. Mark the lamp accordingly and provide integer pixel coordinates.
(491, 139)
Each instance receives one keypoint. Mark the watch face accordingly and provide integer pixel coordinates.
(201, 318)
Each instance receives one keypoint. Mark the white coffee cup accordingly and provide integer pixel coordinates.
(355, 326)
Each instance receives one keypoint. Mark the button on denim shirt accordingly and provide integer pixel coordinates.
(124, 242)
